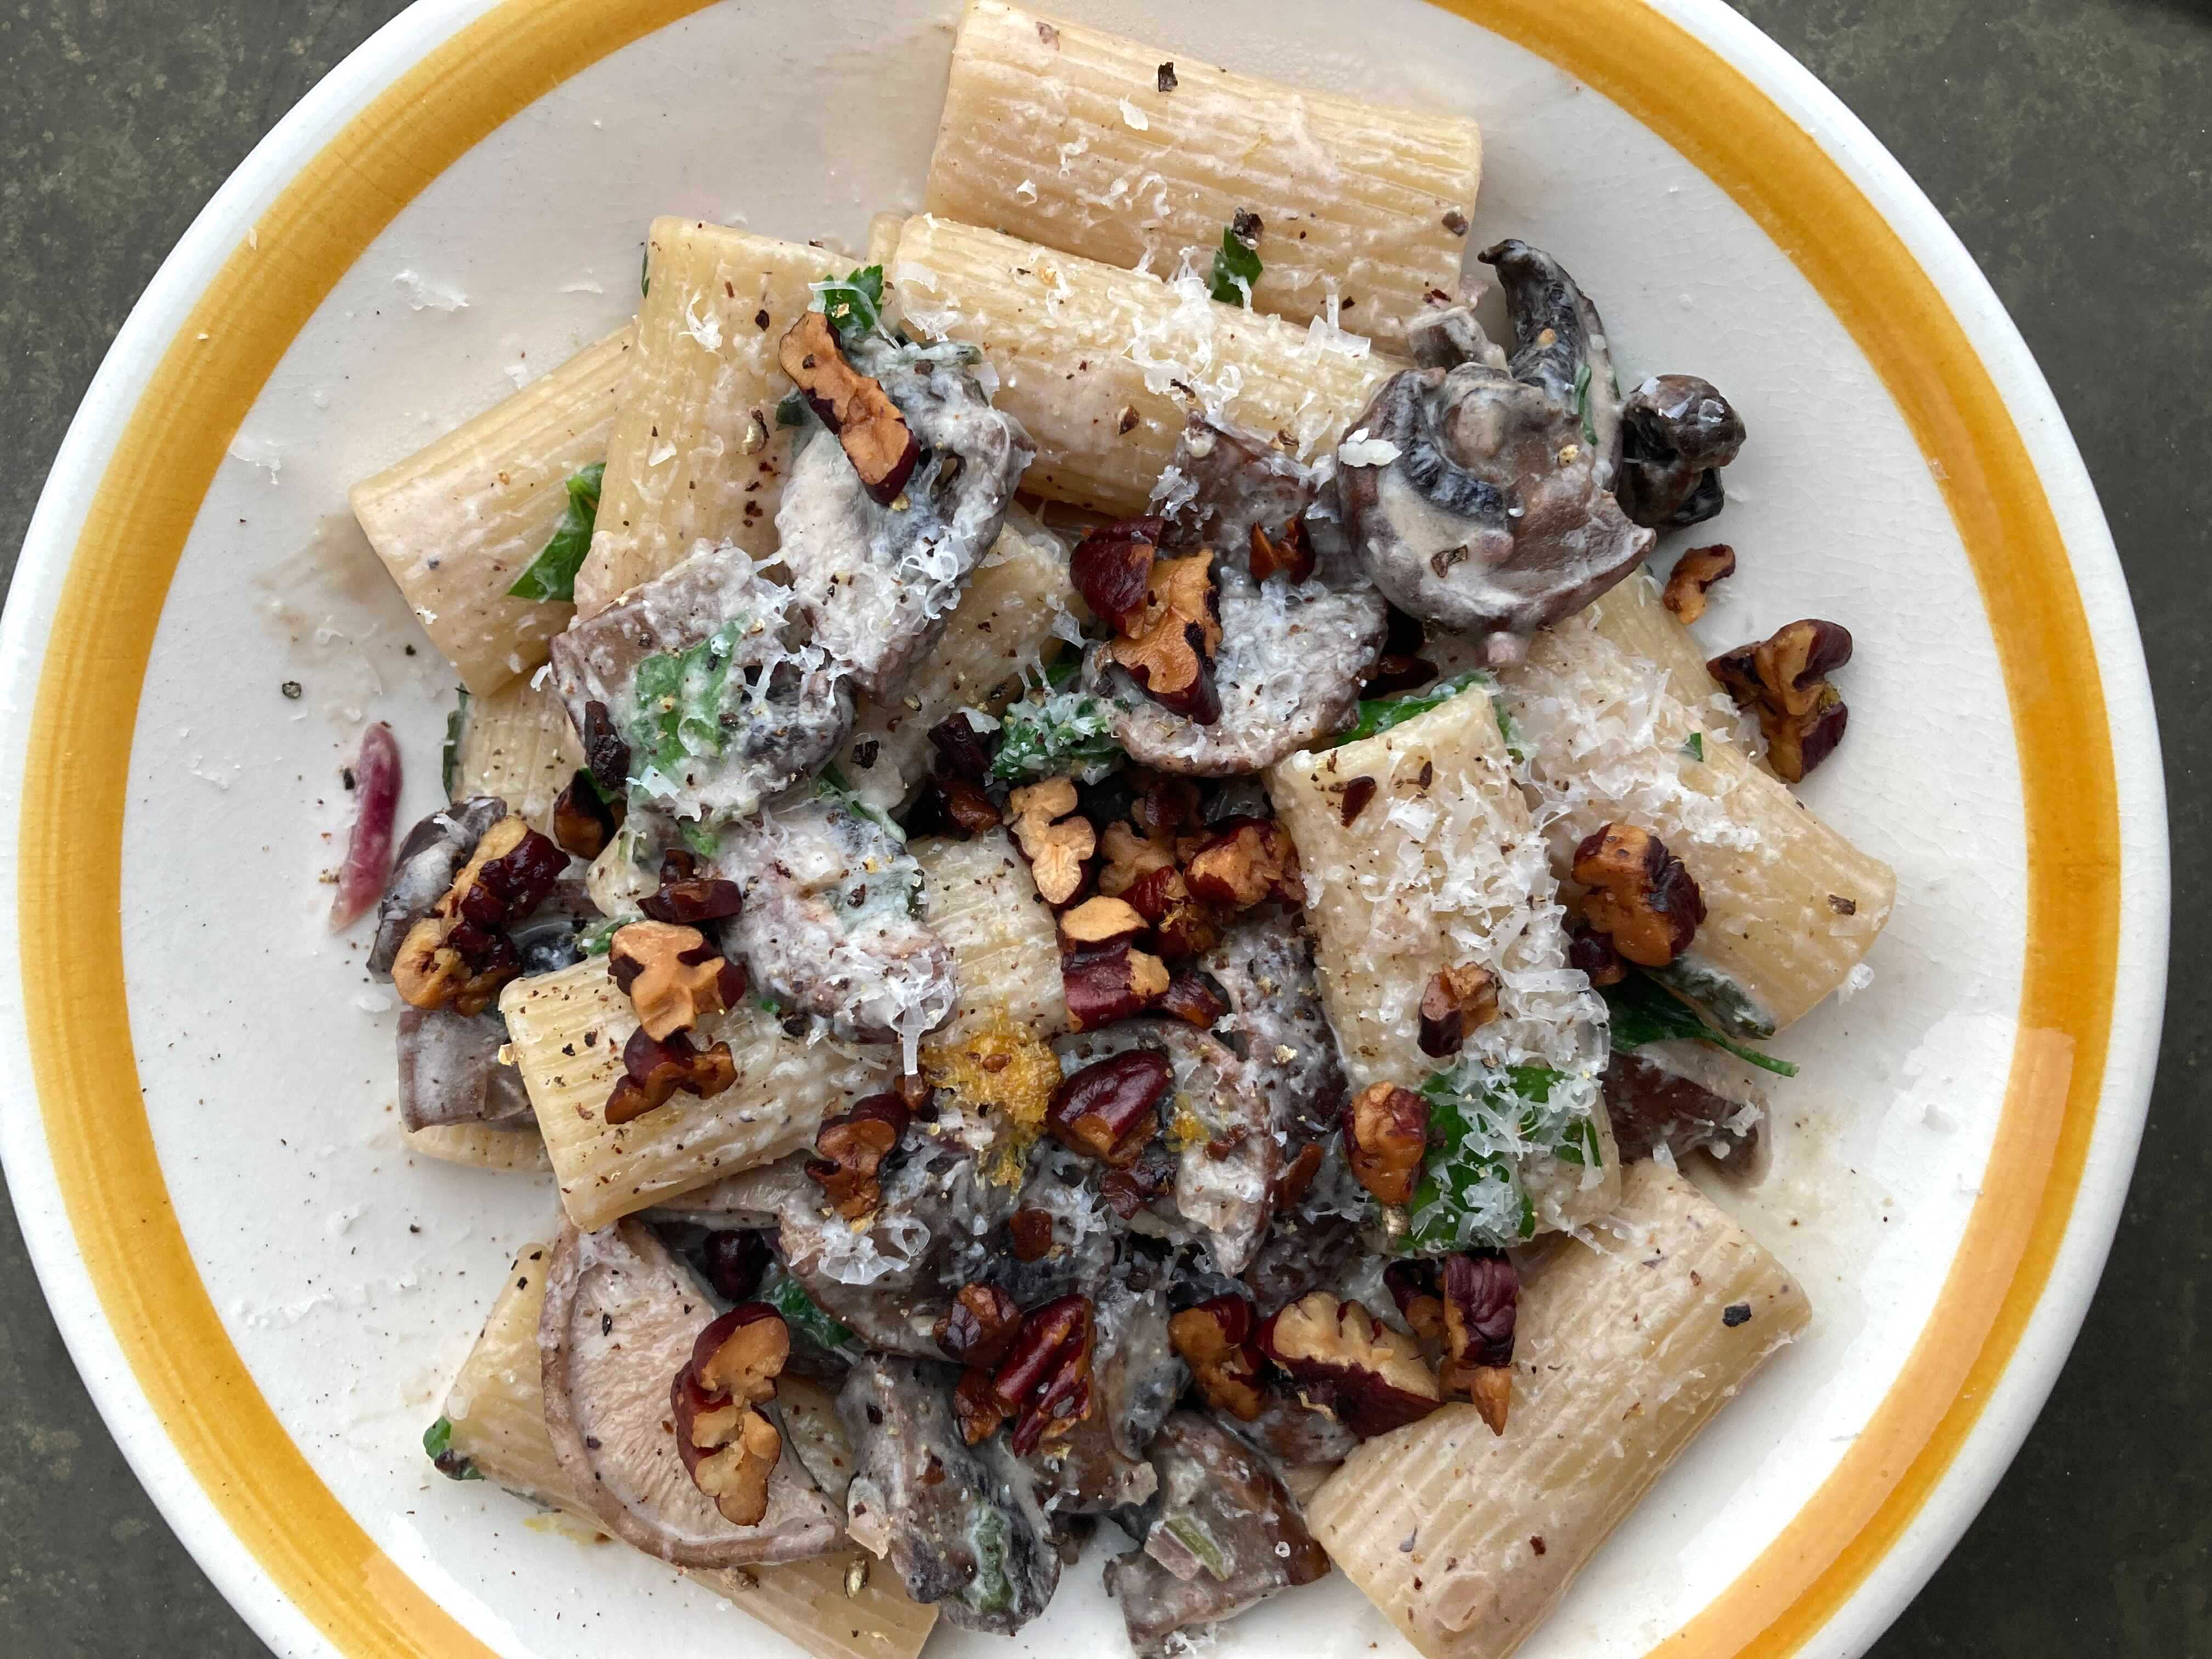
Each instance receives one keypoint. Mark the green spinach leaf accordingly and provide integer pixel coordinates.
(1645, 1012)
(1238, 256)
(552, 573)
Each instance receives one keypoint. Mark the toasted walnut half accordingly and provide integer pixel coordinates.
(1386, 1135)
(459, 954)
(849, 1150)
(1110, 1110)
(1347, 1362)
(1054, 840)
(1215, 1341)
(1693, 578)
(1481, 1294)
(1640, 895)
(1244, 861)
(1783, 680)
(728, 1448)
(875, 436)
(652, 1072)
(1457, 1001)
(1168, 646)
(674, 978)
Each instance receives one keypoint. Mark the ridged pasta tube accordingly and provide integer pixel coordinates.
(566, 1032)
(457, 523)
(518, 744)
(1085, 141)
(1629, 1338)
(496, 1413)
(1791, 906)
(984, 905)
(696, 452)
(517, 1152)
(1003, 622)
(1418, 855)
(1101, 364)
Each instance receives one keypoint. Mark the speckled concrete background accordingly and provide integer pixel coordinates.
(2067, 142)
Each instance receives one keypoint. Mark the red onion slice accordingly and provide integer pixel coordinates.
(368, 850)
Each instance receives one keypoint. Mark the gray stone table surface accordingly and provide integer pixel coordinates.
(2065, 140)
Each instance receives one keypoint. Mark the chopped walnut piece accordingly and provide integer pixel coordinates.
(975, 1406)
(1480, 1292)
(1244, 861)
(1290, 554)
(1101, 919)
(1386, 1136)
(728, 1448)
(1191, 998)
(1593, 952)
(1101, 983)
(1045, 1381)
(1693, 578)
(1457, 1001)
(1347, 1362)
(849, 1149)
(1783, 680)
(979, 1327)
(1054, 840)
(1111, 568)
(583, 822)
(673, 976)
(1215, 1341)
(459, 954)
(653, 1071)
(1640, 895)
(687, 898)
(854, 406)
(1413, 1286)
(1130, 858)
(1031, 1231)
(1168, 646)
(1110, 1110)
(1182, 927)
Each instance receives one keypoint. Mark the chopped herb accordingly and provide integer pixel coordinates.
(1482, 1121)
(1236, 262)
(1062, 731)
(792, 411)
(855, 305)
(830, 784)
(449, 754)
(438, 1442)
(600, 937)
(680, 695)
(1645, 1012)
(1378, 715)
(805, 1316)
(645, 270)
(1193, 1535)
(1581, 401)
(1694, 745)
(1725, 1002)
(552, 573)
(698, 837)
(1062, 669)
(769, 1004)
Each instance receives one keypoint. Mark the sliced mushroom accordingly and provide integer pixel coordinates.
(1480, 499)
(1226, 1154)
(1683, 1098)
(1677, 433)
(1099, 1466)
(1264, 966)
(450, 1072)
(729, 711)
(959, 1524)
(1224, 1536)
(832, 925)
(428, 860)
(878, 582)
(1293, 651)
(620, 1320)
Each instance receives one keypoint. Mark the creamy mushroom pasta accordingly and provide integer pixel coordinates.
(1112, 893)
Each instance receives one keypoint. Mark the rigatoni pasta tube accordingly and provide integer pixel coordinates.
(1629, 1338)
(1101, 365)
(566, 1033)
(983, 903)
(518, 1151)
(696, 452)
(495, 1413)
(518, 744)
(1791, 906)
(456, 524)
(1418, 854)
(1082, 140)
(1003, 622)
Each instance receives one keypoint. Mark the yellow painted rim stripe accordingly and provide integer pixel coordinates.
(78, 761)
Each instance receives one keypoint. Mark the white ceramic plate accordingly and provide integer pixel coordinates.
(267, 1294)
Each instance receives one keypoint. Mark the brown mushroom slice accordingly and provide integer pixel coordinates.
(877, 581)
(1264, 965)
(620, 1320)
(729, 713)
(450, 1072)
(1224, 1536)
(959, 1524)
(1226, 482)
(1677, 431)
(1683, 1098)
(1227, 1156)
(424, 868)
(831, 924)
(1136, 1376)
